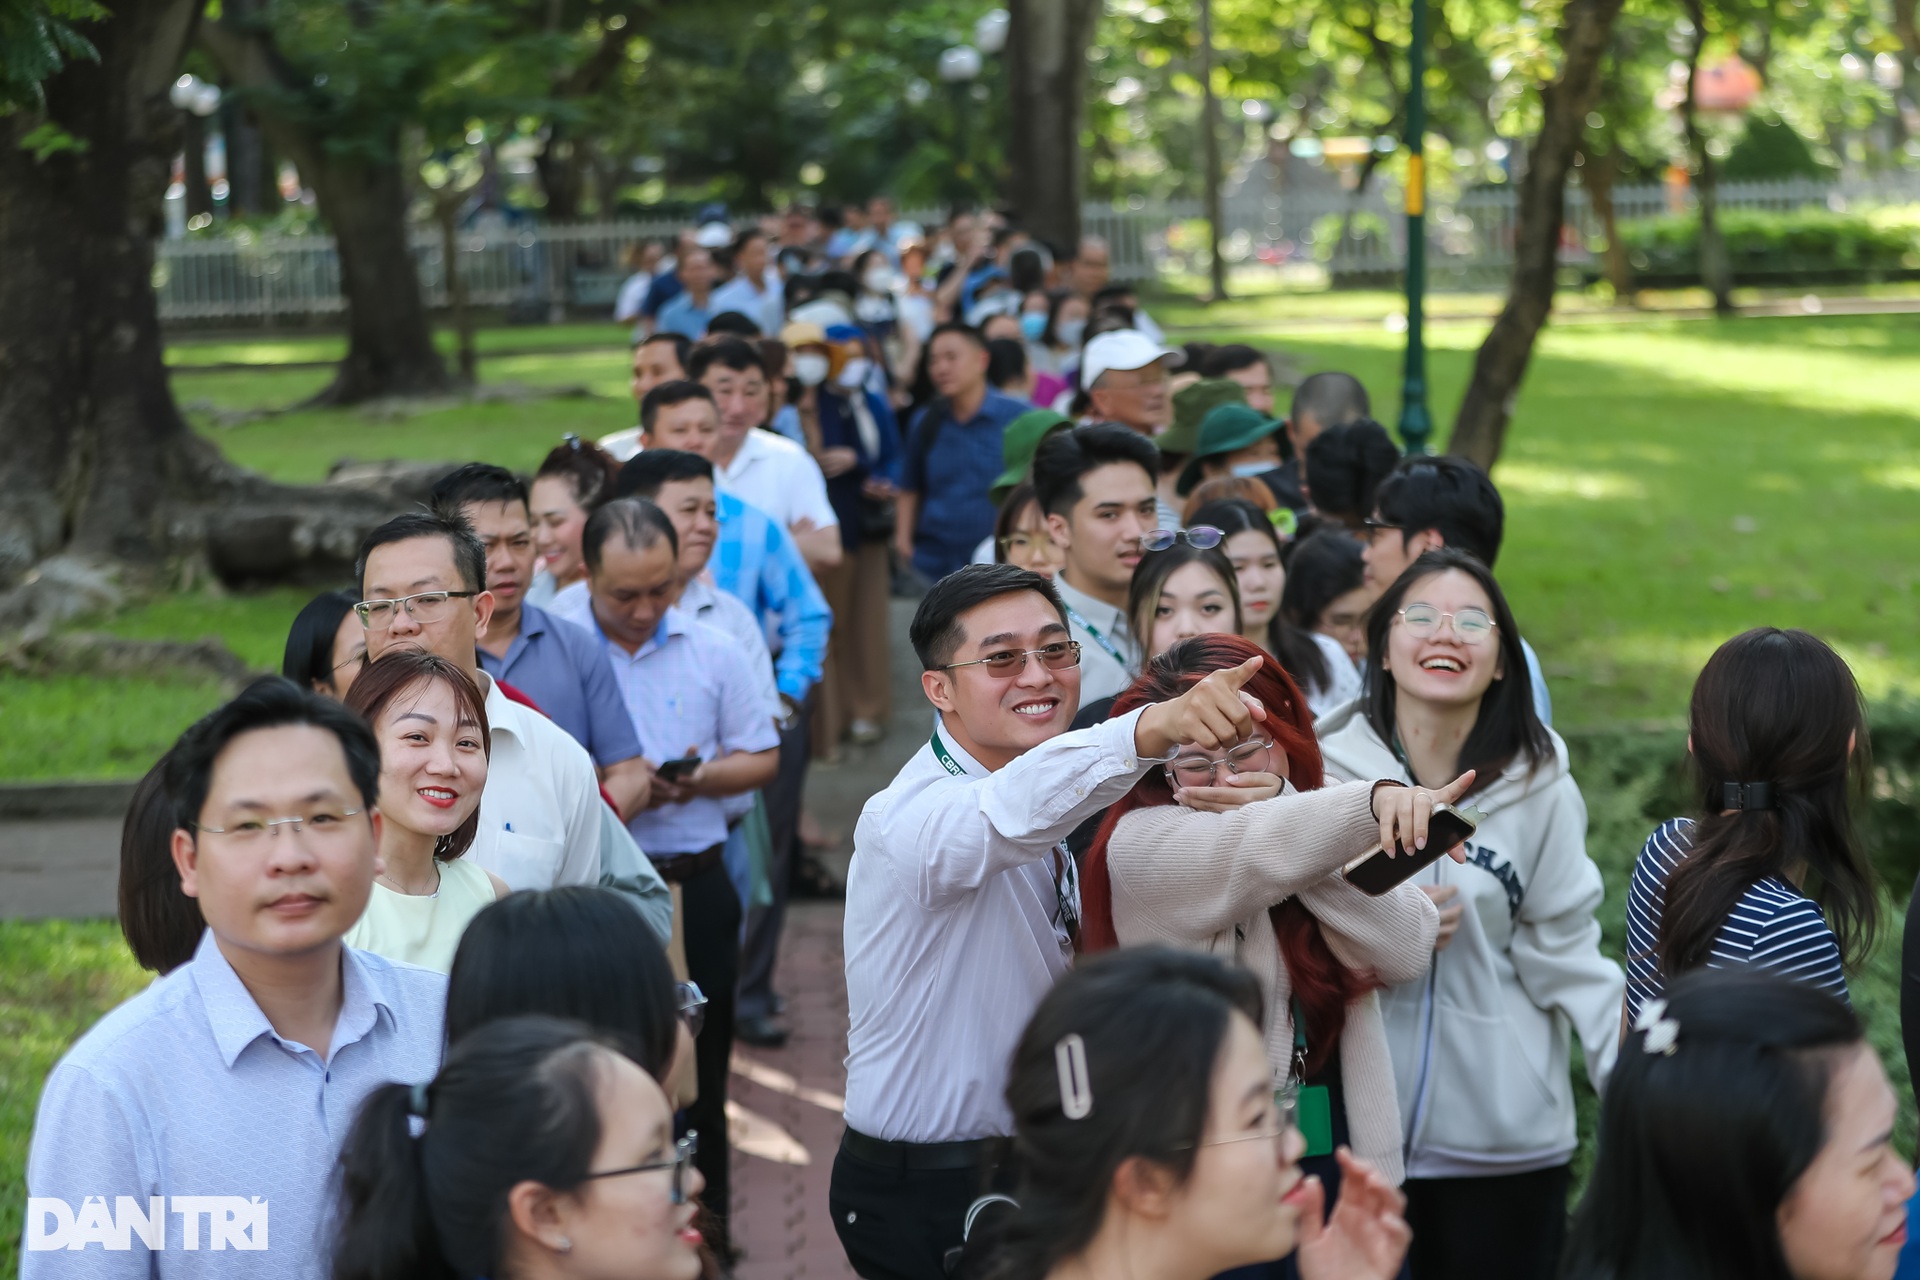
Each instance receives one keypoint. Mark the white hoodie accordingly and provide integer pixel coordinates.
(1480, 1045)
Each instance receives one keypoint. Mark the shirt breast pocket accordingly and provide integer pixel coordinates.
(523, 861)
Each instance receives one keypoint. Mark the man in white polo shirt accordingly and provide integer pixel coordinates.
(760, 468)
(542, 821)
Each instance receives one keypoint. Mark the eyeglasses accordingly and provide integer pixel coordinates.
(1028, 544)
(1286, 1106)
(1055, 657)
(427, 607)
(1369, 527)
(1201, 536)
(691, 1004)
(683, 1153)
(326, 822)
(1473, 626)
(1198, 771)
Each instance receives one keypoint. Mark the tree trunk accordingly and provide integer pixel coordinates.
(1481, 426)
(1047, 43)
(363, 201)
(1597, 175)
(1716, 272)
(446, 215)
(1210, 150)
(253, 186)
(95, 459)
(561, 174)
(193, 165)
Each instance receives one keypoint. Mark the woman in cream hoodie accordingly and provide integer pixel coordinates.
(1480, 1043)
(1241, 858)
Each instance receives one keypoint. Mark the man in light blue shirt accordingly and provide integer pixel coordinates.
(193, 1131)
(690, 310)
(693, 696)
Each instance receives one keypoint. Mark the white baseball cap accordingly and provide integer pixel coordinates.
(714, 235)
(1121, 349)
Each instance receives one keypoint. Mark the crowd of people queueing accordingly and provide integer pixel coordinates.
(458, 920)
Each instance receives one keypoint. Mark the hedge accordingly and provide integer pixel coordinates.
(1803, 242)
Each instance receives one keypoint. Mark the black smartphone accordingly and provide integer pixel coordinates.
(1375, 873)
(674, 770)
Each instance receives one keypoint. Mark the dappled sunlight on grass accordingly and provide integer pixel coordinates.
(1526, 480)
(1901, 477)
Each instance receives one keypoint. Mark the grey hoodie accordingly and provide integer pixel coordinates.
(1480, 1045)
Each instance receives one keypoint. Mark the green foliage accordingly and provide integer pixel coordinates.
(37, 38)
(1810, 240)
(1771, 150)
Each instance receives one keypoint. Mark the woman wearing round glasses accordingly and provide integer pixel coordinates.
(1239, 853)
(1480, 1047)
(539, 1149)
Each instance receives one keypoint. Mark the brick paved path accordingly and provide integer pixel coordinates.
(786, 1113)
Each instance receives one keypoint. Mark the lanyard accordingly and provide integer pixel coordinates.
(1065, 874)
(945, 757)
(1073, 616)
(1297, 1071)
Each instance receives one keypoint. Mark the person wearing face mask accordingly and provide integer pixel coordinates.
(1481, 1046)
(856, 441)
(1234, 440)
(1238, 852)
(431, 723)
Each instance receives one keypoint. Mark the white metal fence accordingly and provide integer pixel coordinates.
(545, 271)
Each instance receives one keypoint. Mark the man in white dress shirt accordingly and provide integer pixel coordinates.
(542, 820)
(961, 905)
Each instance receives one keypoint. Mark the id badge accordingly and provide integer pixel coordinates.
(1314, 1114)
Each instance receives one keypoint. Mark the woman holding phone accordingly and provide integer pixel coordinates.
(1239, 853)
(1480, 1044)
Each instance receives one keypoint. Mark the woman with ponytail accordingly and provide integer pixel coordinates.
(1779, 747)
(1239, 853)
(539, 1150)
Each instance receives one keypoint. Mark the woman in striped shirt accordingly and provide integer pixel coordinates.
(1778, 739)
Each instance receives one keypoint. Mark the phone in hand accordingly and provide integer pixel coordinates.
(675, 770)
(1376, 873)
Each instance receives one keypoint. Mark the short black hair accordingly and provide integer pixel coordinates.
(639, 523)
(1450, 495)
(733, 322)
(727, 350)
(478, 482)
(680, 343)
(1330, 399)
(1064, 457)
(271, 702)
(642, 475)
(1346, 464)
(936, 631)
(1230, 358)
(965, 330)
(1006, 361)
(667, 395)
(469, 554)
(309, 653)
(1118, 294)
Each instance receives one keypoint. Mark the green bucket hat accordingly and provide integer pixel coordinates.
(1226, 428)
(1193, 403)
(1019, 443)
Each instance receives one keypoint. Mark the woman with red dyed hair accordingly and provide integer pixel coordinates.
(1244, 862)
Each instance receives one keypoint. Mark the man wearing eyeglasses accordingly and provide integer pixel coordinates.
(542, 822)
(962, 907)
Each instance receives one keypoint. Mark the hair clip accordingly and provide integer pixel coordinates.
(572, 441)
(1076, 1086)
(1285, 521)
(1661, 1031)
(1746, 795)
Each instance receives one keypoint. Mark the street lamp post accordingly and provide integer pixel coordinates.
(1416, 424)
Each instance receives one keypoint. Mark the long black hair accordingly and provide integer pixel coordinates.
(308, 660)
(1507, 727)
(1150, 579)
(514, 1102)
(162, 924)
(1782, 708)
(1699, 1147)
(1322, 567)
(574, 952)
(1152, 1021)
(1292, 646)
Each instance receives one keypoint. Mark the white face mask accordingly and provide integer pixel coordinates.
(1246, 469)
(878, 280)
(810, 369)
(854, 372)
(1069, 332)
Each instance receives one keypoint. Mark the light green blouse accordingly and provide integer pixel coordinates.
(423, 930)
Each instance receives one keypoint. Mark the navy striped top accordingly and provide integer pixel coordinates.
(1773, 925)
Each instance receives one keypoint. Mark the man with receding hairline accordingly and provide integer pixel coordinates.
(1322, 400)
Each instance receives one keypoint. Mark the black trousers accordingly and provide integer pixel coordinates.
(1511, 1227)
(761, 947)
(712, 929)
(898, 1224)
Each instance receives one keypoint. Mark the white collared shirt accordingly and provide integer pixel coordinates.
(186, 1090)
(776, 475)
(953, 930)
(1101, 674)
(539, 815)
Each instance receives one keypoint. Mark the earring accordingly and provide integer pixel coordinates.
(565, 1245)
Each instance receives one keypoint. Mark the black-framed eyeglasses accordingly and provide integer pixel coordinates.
(426, 607)
(1057, 656)
(691, 1004)
(1200, 537)
(1371, 526)
(683, 1153)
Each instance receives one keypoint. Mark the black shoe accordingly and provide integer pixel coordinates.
(761, 1033)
